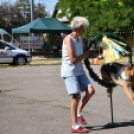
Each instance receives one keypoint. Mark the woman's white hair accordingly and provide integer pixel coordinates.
(79, 21)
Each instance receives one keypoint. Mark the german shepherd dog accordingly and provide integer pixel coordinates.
(119, 74)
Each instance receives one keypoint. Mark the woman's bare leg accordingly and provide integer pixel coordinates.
(74, 105)
(89, 93)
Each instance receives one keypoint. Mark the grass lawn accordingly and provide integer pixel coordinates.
(36, 61)
(41, 61)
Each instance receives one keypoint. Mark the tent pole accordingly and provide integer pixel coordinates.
(29, 41)
(12, 37)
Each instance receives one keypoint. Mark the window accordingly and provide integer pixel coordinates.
(2, 45)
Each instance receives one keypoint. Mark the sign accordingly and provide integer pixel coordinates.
(3, 52)
(31, 42)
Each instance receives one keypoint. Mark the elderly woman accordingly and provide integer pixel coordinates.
(76, 81)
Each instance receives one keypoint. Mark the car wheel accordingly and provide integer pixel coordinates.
(20, 60)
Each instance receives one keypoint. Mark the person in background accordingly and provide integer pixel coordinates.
(76, 81)
(55, 49)
(45, 48)
(58, 46)
(58, 49)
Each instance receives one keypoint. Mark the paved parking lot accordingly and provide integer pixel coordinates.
(34, 101)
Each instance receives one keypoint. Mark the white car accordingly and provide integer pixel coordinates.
(12, 55)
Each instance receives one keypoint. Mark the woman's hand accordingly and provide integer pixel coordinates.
(86, 54)
(100, 56)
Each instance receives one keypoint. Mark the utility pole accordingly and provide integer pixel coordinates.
(32, 10)
(32, 15)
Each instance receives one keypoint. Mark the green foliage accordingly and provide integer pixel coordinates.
(103, 15)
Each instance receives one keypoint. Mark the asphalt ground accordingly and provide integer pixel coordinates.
(34, 100)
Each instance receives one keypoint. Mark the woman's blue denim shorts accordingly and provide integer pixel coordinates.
(77, 84)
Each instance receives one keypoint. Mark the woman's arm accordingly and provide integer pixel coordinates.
(70, 49)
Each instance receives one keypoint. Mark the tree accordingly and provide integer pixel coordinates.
(25, 8)
(19, 14)
(10, 16)
(40, 11)
(103, 15)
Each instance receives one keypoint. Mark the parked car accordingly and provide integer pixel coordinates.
(12, 55)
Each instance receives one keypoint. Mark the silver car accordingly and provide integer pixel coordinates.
(12, 55)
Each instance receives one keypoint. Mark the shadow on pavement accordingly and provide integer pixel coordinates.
(123, 124)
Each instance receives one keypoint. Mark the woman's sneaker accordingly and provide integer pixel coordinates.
(81, 120)
(79, 130)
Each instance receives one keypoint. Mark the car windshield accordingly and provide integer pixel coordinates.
(3, 45)
(9, 39)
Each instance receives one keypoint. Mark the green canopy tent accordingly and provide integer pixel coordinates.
(43, 25)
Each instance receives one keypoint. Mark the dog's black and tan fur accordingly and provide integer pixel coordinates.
(112, 73)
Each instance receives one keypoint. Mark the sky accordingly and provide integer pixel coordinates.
(49, 4)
